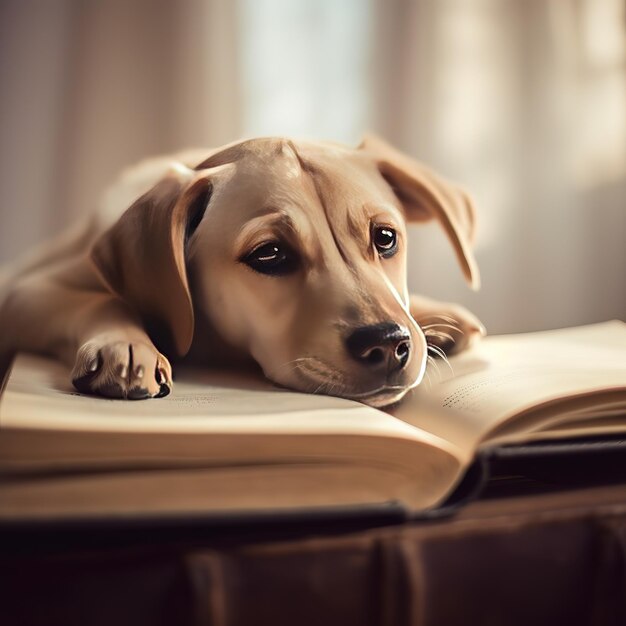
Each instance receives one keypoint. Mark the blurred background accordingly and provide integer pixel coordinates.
(522, 102)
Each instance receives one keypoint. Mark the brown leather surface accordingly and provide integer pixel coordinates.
(551, 559)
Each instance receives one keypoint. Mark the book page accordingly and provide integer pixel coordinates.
(211, 419)
(39, 396)
(495, 384)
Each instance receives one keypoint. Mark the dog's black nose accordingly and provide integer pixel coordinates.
(385, 345)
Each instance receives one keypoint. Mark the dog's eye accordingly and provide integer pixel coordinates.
(273, 258)
(385, 240)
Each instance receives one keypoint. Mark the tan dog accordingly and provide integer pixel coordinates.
(291, 254)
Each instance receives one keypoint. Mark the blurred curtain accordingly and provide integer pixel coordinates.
(524, 103)
(89, 87)
(305, 67)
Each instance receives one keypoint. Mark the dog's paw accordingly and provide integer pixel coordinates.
(451, 328)
(122, 369)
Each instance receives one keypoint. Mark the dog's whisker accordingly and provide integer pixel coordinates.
(332, 387)
(441, 325)
(440, 334)
(434, 365)
(287, 363)
(319, 376)
(439, 352)
(428, 379)
(297, 363)
(444, 318)
(322, 387)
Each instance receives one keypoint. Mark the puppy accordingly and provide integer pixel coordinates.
(290, 254)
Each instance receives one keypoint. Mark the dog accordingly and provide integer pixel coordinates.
(288, 254)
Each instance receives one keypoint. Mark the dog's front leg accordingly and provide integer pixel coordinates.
(448, 326)
(71, 317)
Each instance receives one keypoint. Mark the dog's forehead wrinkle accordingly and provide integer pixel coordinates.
(345, 216)
(273, 212)
(321, 198)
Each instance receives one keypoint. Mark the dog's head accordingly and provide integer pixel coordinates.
(298, 257)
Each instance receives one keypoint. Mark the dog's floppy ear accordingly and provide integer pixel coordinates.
(425, 195)
(142, 256)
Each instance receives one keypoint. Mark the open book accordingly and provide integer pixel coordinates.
(231, 443)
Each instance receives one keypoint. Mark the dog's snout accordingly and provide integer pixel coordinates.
(381, 346)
